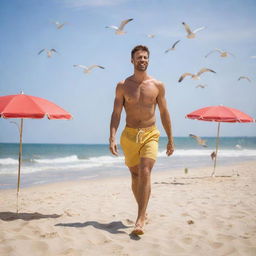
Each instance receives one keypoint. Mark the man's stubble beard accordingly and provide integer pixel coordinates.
(142, 69)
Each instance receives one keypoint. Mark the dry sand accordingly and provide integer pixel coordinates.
(189, 214)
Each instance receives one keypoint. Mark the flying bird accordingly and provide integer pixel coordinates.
(173, 47)
(88, 69)
(199, 140)
(59, 25)
(191, 34)
(222, 53)
(48, 52)
(197, 75)
(244, 77)
(13, 122)
(238, 146)
(151, 35)
(119, 30)
(201, 86)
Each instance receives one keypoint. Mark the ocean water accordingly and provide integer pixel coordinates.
(46, 163)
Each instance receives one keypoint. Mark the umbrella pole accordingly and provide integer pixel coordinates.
(216, 152)
(20, 160)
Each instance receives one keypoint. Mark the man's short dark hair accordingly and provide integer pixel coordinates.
(139, 48)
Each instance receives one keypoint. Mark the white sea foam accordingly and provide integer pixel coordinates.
(73, 163)
(8, 161)
(61, 160)
(106, 159)
(58, 164)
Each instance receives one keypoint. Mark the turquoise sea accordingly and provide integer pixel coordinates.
(46, 163)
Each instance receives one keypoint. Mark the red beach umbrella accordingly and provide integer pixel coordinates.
(220, 114)
(26, 106)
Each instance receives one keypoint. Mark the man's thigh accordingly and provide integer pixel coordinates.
(146, 164)
(149, 151)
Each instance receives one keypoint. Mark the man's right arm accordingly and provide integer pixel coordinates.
(115, 118)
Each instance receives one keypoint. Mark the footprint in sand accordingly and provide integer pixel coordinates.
(69, 213)
(187, 240)
(106, 241)
(49, 235)
(130, 222)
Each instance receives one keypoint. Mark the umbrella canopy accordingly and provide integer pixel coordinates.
(220, 114)
(26, 106)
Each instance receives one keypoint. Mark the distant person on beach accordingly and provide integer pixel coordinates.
(139, 94)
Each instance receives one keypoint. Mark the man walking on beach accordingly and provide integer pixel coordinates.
(139, 94)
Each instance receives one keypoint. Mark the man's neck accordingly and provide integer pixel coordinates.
(140, 76)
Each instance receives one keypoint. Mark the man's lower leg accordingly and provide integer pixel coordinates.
(144, 190)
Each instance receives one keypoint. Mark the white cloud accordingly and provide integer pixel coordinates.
(91, 3)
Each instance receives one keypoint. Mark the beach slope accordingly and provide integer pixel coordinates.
(189, 214)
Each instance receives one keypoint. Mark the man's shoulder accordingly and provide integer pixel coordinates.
(124, 82)
(157, 82)
(120, 86)
(120, 83)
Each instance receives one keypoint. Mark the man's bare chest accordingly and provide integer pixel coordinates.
(141, 94)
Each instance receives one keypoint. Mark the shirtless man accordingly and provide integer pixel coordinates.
(139, 94)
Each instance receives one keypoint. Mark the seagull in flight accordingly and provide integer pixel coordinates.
(151, 35)
(191, 34)
(197, 75)
(222, 53)
(173, 47)
(88, 69)
(238, 146)
(59, 25)
(201, 86)
(199, 140)
(244, 77)
(119, 30)
(48, 52)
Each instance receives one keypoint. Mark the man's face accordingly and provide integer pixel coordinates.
(140, 60)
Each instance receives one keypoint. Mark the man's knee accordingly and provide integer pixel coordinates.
(134, 171)
(135, 175)
(146, 166)
(144, 171)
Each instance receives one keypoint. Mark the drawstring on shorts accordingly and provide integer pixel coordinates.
(140, 132)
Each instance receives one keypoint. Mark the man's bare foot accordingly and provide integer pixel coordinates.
(138, 230)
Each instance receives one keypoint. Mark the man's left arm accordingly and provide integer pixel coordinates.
(165, 118)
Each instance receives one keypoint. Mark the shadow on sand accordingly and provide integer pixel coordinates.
(112, 227)
(10, 216)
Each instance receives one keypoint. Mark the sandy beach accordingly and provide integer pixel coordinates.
(189, 214)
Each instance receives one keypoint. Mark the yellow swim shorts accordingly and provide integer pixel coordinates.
(138, 143)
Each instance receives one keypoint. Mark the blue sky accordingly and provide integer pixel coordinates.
(26, 27)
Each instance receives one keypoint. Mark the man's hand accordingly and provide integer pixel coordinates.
(169, 149)
(113, 147)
